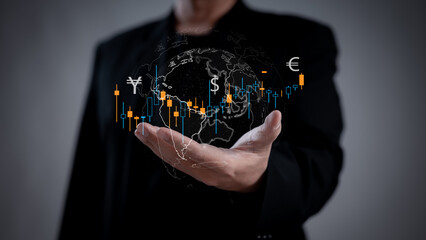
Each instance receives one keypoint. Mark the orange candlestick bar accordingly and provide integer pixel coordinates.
(195, 106)
(116, 94)
(301, 80)
(129, 116)
(176, 115)
(189, 103)
(202, 109)
(162, 97)
(136, 121)
(229, 96)
(261, 88)
(169, 105)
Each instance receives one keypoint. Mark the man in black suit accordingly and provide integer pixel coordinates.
(263, 184)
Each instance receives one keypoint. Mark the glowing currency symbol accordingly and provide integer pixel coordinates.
(290, 64)
(134, 82)
(213, 81)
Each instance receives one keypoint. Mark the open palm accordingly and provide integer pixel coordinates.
(239, 168)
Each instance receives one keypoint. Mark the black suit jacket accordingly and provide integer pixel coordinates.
(120, 190)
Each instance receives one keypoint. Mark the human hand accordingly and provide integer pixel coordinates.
(239, 168)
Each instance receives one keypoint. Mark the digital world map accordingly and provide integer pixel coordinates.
(210, 95)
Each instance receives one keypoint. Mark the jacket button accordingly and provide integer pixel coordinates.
(264, 236)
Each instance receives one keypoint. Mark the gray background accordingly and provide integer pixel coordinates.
(46, 53)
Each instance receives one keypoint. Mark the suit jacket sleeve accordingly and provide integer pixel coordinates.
(84, 202)
(306, 159)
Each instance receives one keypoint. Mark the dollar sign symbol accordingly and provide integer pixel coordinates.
(213, 81)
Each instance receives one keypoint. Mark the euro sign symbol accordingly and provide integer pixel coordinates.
(215, 86)
(290, 64)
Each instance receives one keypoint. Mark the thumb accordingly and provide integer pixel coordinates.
(271, 128)
(262, 136)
